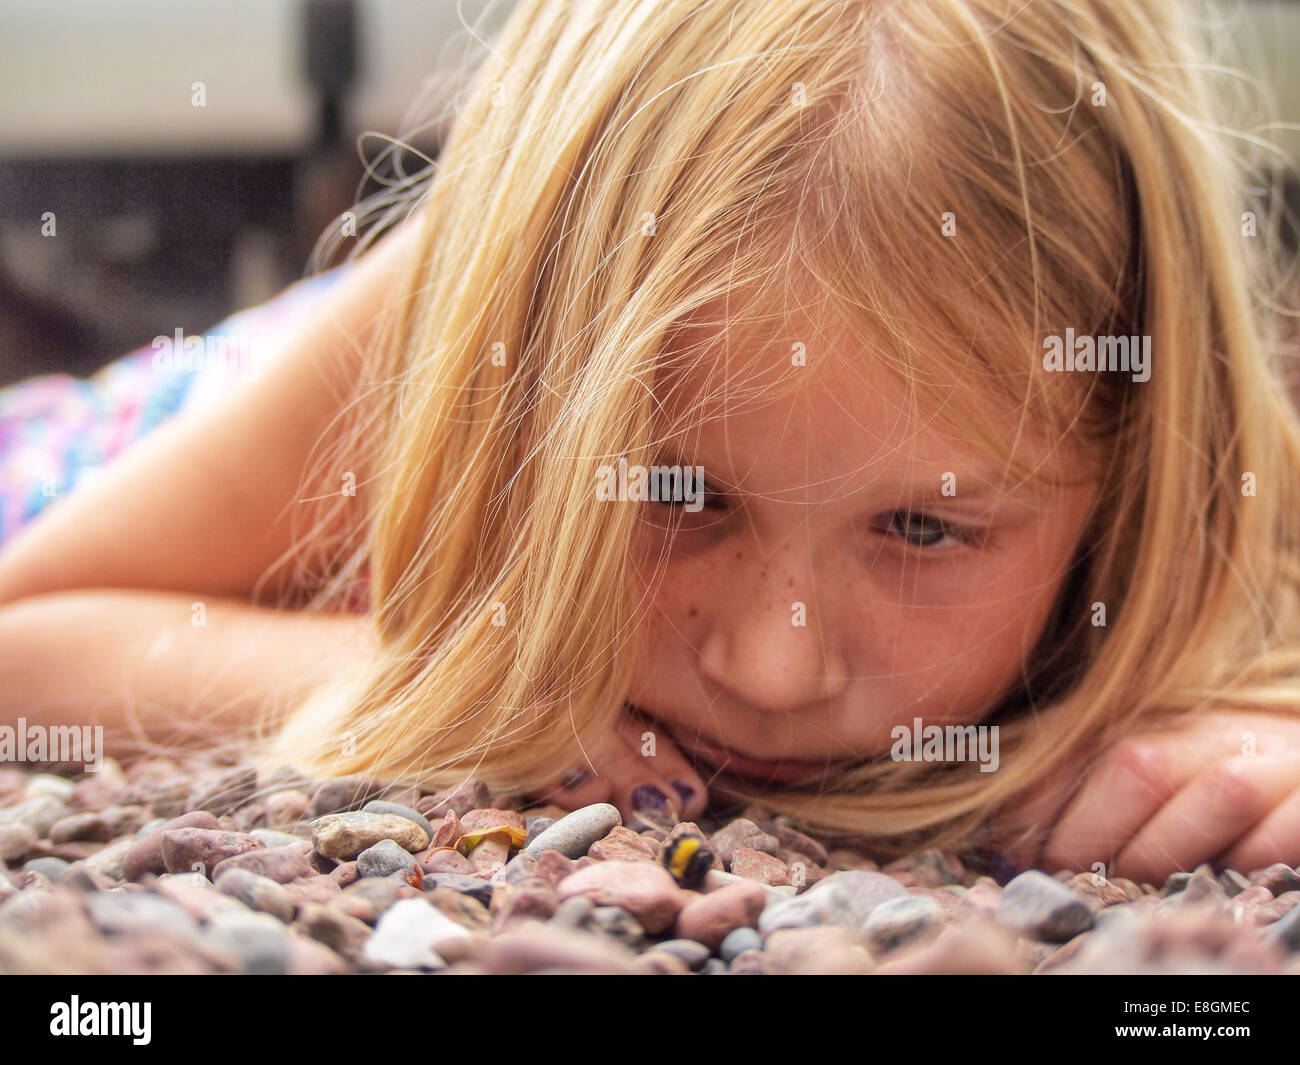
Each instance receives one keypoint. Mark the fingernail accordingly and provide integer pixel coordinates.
(683, 789)
(574, 778)
(648, 797)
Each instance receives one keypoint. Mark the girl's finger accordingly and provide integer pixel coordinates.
(1211, 813)
(1275, 838)
(657, 776)
(1133, 780)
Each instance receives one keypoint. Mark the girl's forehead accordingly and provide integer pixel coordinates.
(797, 393)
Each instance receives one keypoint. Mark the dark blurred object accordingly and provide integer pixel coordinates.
(154, 244)
(330, 35)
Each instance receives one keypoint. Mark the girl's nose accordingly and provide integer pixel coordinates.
(773, 654)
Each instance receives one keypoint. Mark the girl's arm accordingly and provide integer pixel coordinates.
(140, 664)
(205, 503)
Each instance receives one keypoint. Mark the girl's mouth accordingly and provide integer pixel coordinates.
(740, 767)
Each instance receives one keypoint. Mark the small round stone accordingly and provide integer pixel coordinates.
(573, 834)
(739, 941)
(384, 859)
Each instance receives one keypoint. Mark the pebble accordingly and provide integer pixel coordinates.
(533, 947)
(227, 791)
(83, 826)
(692, 953)
(1279, 878)
(258, 942)
(573, 835)
(905, 920)
(584, 894)
(281, 864)
(379, 806)
(124, 915)
(820, 951)
(741, 833)
(341, 932)
(1037, 905)
(16, 839)
(618, 924)
(257, 893)
(475, 888)
(624, 845)
(51, 867)
(645, 890)
(147, 857)
(472, 794)
(384, 859)
(185, 849)
(345, 835)
(536, 826)
(711, 919)
(844, 898)
(339, 795)
(757, 865)
(738, 941)
(38, 813)
(41, 784)
(1286, 930)
(406, 934)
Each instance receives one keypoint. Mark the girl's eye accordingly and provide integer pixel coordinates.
(695, 495)
(922, 530)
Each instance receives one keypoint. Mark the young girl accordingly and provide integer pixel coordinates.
(860, 263)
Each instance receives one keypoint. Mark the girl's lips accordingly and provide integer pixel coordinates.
(782, 772)
(730, 763)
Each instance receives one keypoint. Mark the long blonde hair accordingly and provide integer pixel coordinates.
(956, 177)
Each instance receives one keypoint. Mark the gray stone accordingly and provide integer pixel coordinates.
(257, 892)
(714, 967)
(51, 867)
(618, 924)
(274, 839)
(902, 920)
(384, 859)
(472, 886)
(573, 834)
(1286, 930)
(739, 941)
(258, 942)
(536, 826)
(692, 953)
(844, 898)
(1036, 905)
(116, 913)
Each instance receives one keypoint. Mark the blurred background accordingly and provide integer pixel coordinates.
(191, 153)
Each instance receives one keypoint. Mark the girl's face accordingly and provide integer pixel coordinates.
(831, 589)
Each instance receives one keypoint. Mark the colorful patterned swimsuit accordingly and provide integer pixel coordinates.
(56, 430)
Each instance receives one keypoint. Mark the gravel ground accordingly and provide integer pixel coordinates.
(168, 868)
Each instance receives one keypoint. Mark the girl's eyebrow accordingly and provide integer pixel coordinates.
(969, 485)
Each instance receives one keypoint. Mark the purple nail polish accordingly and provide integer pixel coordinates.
(683, 789)
(574, 778)
(648, 797)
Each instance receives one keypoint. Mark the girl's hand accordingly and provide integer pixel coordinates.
(1223, 788)
(635, 767)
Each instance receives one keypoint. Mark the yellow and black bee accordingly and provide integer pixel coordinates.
(687, 855)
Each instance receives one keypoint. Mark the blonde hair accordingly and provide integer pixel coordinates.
(616, 166)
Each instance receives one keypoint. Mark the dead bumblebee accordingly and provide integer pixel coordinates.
(687, 855)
